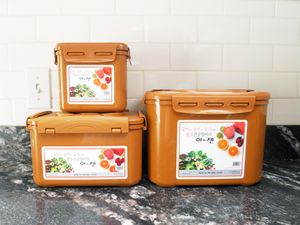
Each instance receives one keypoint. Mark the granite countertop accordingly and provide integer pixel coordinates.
(275, 200)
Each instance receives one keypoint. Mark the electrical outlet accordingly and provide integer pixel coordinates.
(38, 82)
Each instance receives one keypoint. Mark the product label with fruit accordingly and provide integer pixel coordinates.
(90, 84)
(84, 162)
(211, 149)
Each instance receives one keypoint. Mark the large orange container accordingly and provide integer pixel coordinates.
(86, 149)
(92, 76)
(201, 137)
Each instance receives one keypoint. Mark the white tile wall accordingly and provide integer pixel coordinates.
(145, 7)
(62, 28)
(247, 58)
(287, 58)
(288, 8)
(17, 29)
(3, 7)
(215, 80)
(174, 44)
(88, 7)
(249, 7)
(117, 28)
(277, 83)
(196, 7)
(274, 31)
(223, 29)
(171, 29)
(170, 80)
(196, 57)
(33, 7)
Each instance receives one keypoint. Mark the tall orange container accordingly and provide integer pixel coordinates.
(92, 76)
(86, 149)
(201, 137)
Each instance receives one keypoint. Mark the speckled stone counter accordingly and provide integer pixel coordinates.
(275, 200)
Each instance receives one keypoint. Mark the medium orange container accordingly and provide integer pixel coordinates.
(86, 149)
(201, 137)
(92, 76)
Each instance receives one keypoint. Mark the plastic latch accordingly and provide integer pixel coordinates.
(116, 130)
(49, 131)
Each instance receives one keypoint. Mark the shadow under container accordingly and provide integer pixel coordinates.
(92, 76)
(86, 149)
(206, 137)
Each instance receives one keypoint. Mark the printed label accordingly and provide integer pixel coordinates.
(211, 149)
(84, 162)
(90, 84)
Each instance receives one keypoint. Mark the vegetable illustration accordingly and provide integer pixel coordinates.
(58, 165)
(81, 90)
(195, 160)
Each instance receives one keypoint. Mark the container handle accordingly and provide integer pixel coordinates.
(145, 120)
(35, 116)
(213, 105)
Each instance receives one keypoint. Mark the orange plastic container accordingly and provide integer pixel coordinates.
(201, 137)
(92, 76)
(86, 149)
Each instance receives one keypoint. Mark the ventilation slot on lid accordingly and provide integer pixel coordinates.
(214, 104)
(239, 104)
(187, 104)
(75, 53)
(103, 53)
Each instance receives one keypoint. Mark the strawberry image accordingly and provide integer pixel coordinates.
(229, 132)
(109, 154)
(107, 70)
(119, 151)
(239, 127)
(100, 73)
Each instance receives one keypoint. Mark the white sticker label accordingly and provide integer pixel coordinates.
(90, 84)
(211, 149)
(84, 162)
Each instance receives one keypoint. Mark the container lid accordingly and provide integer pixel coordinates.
(90, 52)
(167, 94)
(59, 122)
(211, 102)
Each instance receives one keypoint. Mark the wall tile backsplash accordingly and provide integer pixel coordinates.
(174, 44)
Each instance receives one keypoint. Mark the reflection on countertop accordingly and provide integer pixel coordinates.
(275, 200)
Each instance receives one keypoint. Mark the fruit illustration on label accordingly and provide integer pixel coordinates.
(100, 73)
(109, 153)
(239, 141)
(229, 132)
(108, 80)
(107, 70)
(119, 161)
(223, 144)
(233, 151)
(119, 151)
(103, 86)
(97, 82)
(104, 164)
(113, 169)
(239, 127)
